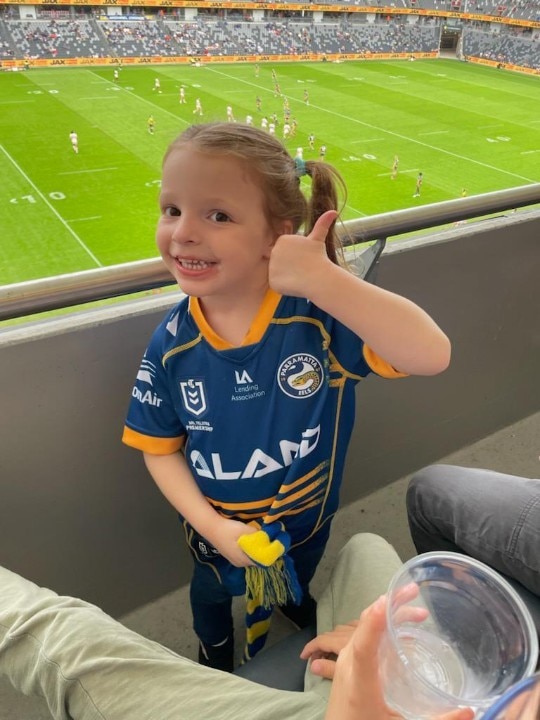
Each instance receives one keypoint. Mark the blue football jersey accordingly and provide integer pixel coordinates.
(264, 427)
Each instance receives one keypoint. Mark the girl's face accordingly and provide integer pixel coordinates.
(213, 233)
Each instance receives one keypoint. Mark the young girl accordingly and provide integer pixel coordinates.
(244, 401)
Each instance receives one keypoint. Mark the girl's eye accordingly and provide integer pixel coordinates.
(219, 216)
(171, 211)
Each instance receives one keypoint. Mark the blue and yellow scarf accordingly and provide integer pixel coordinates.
(271, 581)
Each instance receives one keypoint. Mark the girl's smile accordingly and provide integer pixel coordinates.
(192, 266)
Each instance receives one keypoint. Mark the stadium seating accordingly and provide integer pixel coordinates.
(118, 38)
(351, 33)
(502, 47)
(56, 38)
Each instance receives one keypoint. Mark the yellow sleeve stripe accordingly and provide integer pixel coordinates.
(296, 510)
(240, 515)
(306, 504)
(254, 505)
(152, 445)
(263, 506)
(308, 490)
(289, 486)
(380, 366)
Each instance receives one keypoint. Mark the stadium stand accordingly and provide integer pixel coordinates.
(502, 47)
(78, 33)
(140, 37)
(56, 38)
(91, 38)
(518, 9)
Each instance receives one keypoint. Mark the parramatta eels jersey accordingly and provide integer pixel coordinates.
(265, 426)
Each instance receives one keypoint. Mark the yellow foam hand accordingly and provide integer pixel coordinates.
(260, 548)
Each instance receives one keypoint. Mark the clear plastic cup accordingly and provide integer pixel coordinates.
(458, 635)
(521, 702)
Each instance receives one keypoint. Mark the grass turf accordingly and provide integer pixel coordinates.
(464, 126)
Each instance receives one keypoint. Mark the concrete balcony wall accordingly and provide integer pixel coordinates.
(79, 512)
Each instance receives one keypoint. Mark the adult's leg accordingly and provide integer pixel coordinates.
(491, 516)
(362, 573)
(89, 667)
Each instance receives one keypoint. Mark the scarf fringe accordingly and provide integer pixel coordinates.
(274, 585)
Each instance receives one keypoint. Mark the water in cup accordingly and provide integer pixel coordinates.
(434, 660)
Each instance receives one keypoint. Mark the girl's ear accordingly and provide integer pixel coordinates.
(285, 227)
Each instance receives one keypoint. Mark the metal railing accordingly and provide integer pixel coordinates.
(35, 296)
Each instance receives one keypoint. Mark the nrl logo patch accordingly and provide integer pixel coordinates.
(193, 396)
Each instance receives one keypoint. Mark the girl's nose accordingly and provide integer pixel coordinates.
(184, 229)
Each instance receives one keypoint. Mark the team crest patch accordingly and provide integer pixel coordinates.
(300, 376)
(193, 396)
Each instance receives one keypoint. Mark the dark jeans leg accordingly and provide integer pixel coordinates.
(491, 516)
(211, 604)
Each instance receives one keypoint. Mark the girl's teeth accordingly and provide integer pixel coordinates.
(194, 264)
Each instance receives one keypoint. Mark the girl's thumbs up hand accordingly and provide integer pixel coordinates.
(297, 262)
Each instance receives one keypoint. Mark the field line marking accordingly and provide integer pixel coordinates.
(376, 128)
(101, 97)
(435, 132)
(261, 88)
(529, 152)
(356, 142)
(94, 217)
(51, 208)
(15, 102)
(400, 172)
(79, 172)
(358, 212)
(143, 99)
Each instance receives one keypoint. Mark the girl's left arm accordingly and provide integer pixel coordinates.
(395, 328)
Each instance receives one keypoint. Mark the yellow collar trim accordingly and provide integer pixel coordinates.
(256, 331)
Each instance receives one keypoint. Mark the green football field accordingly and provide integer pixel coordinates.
(464, 126)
